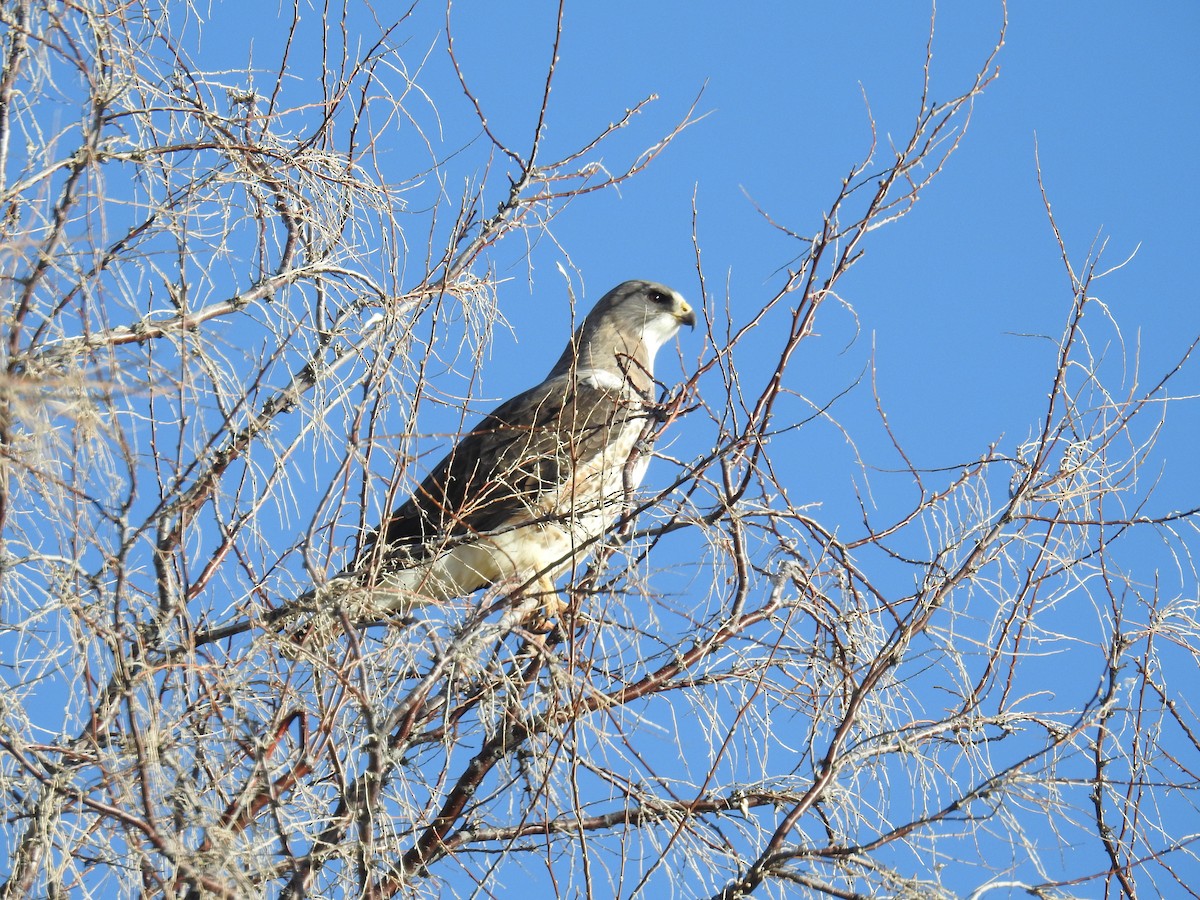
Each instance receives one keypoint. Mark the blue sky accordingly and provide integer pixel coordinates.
(945, 300)
(952, 305)
(951, 300)
(1106, 98)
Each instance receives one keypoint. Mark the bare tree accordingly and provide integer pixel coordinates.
(222, 309)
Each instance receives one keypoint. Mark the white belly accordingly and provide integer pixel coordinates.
(516, 555)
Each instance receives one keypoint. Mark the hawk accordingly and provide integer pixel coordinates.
(524, 496)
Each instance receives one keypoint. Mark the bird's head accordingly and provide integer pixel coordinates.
(632, 321)
(643, 309)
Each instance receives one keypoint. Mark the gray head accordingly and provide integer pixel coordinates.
(624, 331)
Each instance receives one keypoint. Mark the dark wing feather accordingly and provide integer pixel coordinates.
(497, 474)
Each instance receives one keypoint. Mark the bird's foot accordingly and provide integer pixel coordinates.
(549, 614)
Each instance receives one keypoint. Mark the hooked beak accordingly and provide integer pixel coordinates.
(685, 314)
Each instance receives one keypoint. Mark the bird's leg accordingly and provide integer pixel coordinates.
(552, 605)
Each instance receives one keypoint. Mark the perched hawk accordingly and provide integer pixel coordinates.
(523, 497)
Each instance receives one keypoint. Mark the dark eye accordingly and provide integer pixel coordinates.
(660, 298)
